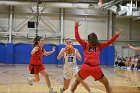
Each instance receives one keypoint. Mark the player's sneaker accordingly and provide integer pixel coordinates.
(61, 90)
(91, 92)
(52, 91)
(30, 81)
(71, 92)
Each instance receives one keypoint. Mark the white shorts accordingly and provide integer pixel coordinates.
(70, 73)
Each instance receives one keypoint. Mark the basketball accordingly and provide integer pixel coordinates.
(70, 49)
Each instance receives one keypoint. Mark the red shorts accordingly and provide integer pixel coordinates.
(35, 69)
(87, 70)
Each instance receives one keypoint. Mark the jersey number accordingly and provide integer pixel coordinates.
(91, 48)
(70, 59)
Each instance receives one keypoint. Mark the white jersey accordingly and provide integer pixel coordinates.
(70, 66)
(69, 60)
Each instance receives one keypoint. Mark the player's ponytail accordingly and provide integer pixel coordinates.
(36, 40)
(92, 39)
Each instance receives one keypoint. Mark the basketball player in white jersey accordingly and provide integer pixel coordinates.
(70, 66)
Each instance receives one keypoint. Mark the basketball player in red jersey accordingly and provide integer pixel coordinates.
(91, 67)
(36, 66)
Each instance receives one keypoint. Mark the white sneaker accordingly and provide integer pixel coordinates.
(30, 81)
(91, 92)
(71, 92)
(52, 91)
(61, 90)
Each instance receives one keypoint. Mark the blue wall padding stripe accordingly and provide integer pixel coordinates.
(21, 54)
(103, 56)
(107, 55)
(2, 52)
(110, 55)
(9, 53)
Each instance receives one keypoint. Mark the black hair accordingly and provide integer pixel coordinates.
(36, 40)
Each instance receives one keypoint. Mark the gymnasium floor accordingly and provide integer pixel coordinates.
(13, 79)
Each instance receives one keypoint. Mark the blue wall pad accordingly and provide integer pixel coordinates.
(2, 52)
(110, 55)
(103, 56)
(107, 55)
(9, 53)
(22, 53)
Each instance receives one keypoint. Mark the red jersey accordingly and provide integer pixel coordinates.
(92, 53)
(36, 58)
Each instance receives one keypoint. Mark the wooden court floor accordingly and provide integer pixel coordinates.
(13, 79)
